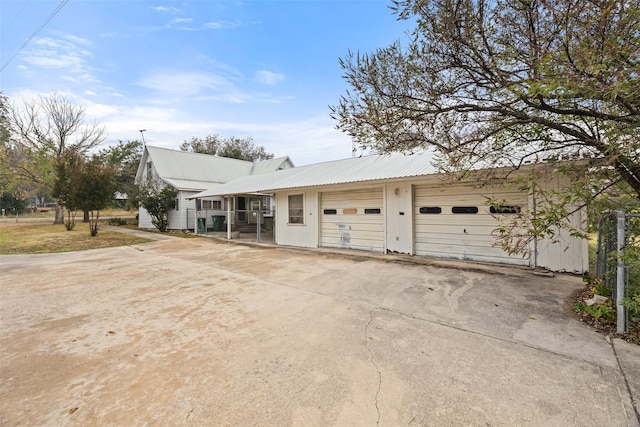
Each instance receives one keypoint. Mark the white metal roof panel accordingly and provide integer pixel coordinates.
(189, 185)
(183, 165)
(360, 169)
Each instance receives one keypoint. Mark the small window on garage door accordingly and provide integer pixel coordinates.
(296, 209)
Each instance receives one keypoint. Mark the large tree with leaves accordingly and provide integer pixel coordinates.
(44, 132)
(506, 83)
(124, 158)
(233, 147)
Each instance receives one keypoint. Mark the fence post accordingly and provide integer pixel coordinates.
(620, 310)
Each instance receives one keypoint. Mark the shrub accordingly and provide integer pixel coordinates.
(117, 221)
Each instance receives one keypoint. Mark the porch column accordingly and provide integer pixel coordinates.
(195, 220)
(228, 217)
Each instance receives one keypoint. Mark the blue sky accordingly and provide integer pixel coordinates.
(179, 69)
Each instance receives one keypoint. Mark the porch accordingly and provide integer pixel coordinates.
(248, 218)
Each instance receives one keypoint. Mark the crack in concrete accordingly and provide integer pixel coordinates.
(373, 362)
(634, 405)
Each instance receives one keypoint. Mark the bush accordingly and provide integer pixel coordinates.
(117, 221)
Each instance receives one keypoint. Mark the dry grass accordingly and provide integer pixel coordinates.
(39, 237)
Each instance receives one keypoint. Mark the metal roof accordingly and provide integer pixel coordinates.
(360, 169)
(194, 171)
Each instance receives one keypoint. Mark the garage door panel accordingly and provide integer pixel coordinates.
(352, 231)
(462, 236)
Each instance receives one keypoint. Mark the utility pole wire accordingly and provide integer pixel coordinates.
(35, 33)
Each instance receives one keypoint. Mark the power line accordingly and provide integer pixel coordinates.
(6, 29)
(35, 33)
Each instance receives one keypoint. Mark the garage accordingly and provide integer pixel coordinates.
(456, 222)
(352, 219)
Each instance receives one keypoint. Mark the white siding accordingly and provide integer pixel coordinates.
(144, 219)
(462, 236)
(178, 218)
(356, 230)
(302, 235)
(564, 252)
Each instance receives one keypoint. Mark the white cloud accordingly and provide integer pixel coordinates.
(90, 93)
(165, 9)
(268, 77)
(216, 25)
(181, 20)
(62, 53)
(184, 83)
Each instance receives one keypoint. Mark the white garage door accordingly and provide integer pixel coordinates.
(455, 222)
(352, 219)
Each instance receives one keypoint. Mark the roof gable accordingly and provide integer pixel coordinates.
(194, 170)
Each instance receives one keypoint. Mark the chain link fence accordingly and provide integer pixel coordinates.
(618, 260)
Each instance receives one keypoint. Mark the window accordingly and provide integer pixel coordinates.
(177, 204)
(464, 210)
(430, 210)
(149, 170)
(330, 211)
(349, 211)
(296, 209)
(372, 210)
(210, 204)
(505, 209)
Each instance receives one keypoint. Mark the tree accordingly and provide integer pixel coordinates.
(210, 144)
(66, 188)
(488, 84)
(96, 184)
(47, 130)
(235, 148)
(157, 199)
(125, 158)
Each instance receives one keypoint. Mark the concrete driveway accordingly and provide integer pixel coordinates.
(202, 332)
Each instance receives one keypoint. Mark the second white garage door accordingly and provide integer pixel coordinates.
(352, 219)
(457, 223)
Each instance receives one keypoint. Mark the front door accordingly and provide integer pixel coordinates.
(254, 210)
(399, 217)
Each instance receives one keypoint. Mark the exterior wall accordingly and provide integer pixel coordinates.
(177, 218)
(454, 236)
(563, 252)
(144, 219)
(302, 235)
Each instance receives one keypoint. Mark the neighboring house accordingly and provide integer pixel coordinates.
(191, 173)
(399, 204)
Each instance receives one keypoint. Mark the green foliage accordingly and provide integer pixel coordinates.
(117, 221)
(66, 186)
(95, 190)
(604, 311)
(12, 205)
(124, 158)
(86, 185)
(157, 200)
(235, 148)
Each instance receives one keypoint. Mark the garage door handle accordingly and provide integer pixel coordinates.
(401, 213)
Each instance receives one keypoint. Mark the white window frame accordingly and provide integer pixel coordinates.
(298, 212)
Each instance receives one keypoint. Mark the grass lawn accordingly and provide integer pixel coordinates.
(39, 237)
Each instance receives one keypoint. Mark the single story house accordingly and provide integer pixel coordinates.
(191, 173)
(400, 204)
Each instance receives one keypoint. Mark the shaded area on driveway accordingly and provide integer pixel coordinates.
(206, 332)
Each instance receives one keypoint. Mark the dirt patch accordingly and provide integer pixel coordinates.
(603, 326)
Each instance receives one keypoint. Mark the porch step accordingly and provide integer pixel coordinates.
(247, 228)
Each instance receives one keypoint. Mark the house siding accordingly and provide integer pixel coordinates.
(302, 235)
